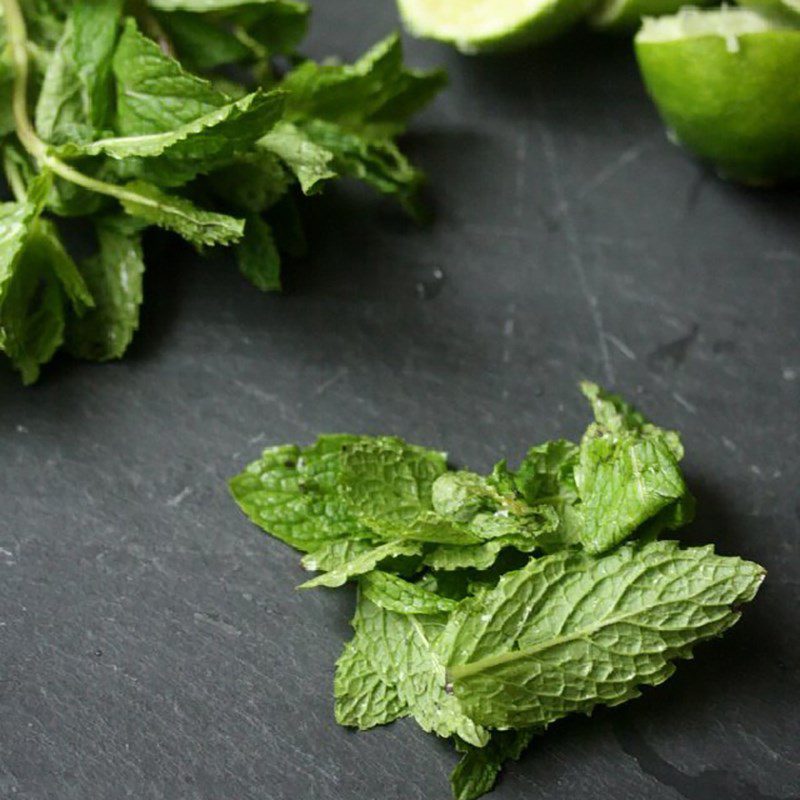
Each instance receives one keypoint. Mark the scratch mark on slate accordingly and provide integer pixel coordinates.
(217, 623)
(621, 346)
(625, 158)
(175, 501)
(325, 385)
(573, 246)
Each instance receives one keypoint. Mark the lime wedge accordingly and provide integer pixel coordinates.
(475, 26)
(726, 84)
(625, 16)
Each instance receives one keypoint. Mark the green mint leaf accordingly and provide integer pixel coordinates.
(354, 112)
(252, 183)
(60, 111)
(293, 494)
(488, 512)
(201, 43)
(393, 593)
(271, 27)
(569, 631)
(614, 414)
(376, 95)
(377, 162)
(311, 163)
(175, 156)
(362, 698)
(361, 563)
(477, 771)
(623, 480)
(180, 215)
(335, 554)
(114, 276)
(154, 93)
(96, 29)
(75, 98)
(62, 266)
(449, 558)
(610, 410)
(547, 475)
(33, 308)
(16, 224)
(258, 257)
(401, 648)
(388, 479)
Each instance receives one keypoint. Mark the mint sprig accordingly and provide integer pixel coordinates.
(491, 606)
(126, 114)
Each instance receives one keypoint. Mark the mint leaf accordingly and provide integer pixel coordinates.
(75, 100)
(176, 156)
(201, 43)
(354, 112)
(177, 214)
(232, 126)
(623, 479)
(293, 494)
(154, 93)
(376, 95)
(569, 631)
(490, 512)
(17, 224)
(393, 593)
(480, 556)
(33, 307)
(362, 698)
(401, 650)
(311, 163)
(114, 277)
(387, 478)
(258, 256)
(251, 183)
(362, 563)
(479, 767)
(335, 554)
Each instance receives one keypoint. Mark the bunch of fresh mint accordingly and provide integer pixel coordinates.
(196, 116)
(491, 606)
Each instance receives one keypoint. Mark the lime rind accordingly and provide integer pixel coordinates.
(476, 26)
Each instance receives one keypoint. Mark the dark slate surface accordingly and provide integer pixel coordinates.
(151, 643)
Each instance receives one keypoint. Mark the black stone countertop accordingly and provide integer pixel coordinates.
(151, 642)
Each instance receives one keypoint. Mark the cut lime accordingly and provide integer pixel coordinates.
(625, 16)
(475, 26)
(726, 84)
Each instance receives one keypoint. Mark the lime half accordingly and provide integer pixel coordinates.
(726, 84)
(625, 16)
(475, 26)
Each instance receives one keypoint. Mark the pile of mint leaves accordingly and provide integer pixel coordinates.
(491, 606)
(197, 116)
